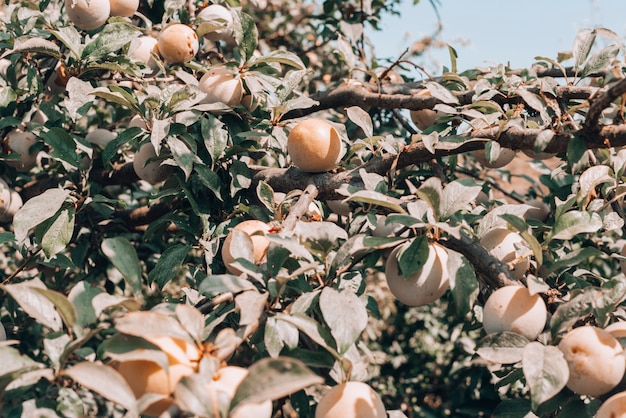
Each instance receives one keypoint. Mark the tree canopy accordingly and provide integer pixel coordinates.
(455, 241)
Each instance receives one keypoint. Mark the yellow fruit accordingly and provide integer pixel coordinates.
(215, 15)
(614, 407)
(123, 8)
(514, 309)
(100, 137)
(508, 247)
(142, 48)
(182, 351)
(314, 146)
(88, 14)
(595, 359)
(424, 118)
(151, 171)
(424, 286)
(351, 400)
(20, 142)
(15, 203)
(144, 376)
(178, 43)
(255, 230)
(506, 156)
(221, 84)
(227, 380)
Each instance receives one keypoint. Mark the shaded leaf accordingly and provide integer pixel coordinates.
(169, 264)
(345, 315)
(34, 303)
(123, 256)
(502, 347)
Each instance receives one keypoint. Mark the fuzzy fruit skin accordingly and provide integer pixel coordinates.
(227, 380)
(351, 400)
(221, 85)
(539, 212)
(314, 146)
(88, 15)
(123, 8)
(423, 118)
(259, 243)
(20, 142)
(218, 15)
(506, 156)
(178, 43)
(153, 172)
(502, 243)
(100, 137)
(595, 359)
(614, 407)
(617, 329)
(141, 48)
(514, 309)
(424, 286)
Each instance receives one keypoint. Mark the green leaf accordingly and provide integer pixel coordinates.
(34, 45)
(169, 264)
(577, 156)
(36, 210)
(246, 34)
(582, 46)
(432, 192)
(12, 361)
(59, 233)
(123, 256)
(210, 179)
(274, 378)
(313, 329)
(282, 57)
(345, 314)
(149, 324)
(372, 197)
(182, 154)
(63, 146)
(105, 381)
(412, 257)
(70, 37)
(224, 283)
(514, 408)
(279, 334)
(62, 304)
(574, 258)
(457, 196)
(464, 285)
(546, 372)
(34, 303)
(362, 119)
(111, 39)
(579, 306)
(502, 347)
(600, 60)
(215, 136)
(574, 222)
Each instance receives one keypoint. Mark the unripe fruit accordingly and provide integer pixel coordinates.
(227, 380)
(503, 245)
(100, 137)
(88, 15)
(215, 15)
(123, 8)
(142, 48)
(351, 400)
(595, 359)
(614, 407)
(20, 142)
(506, 156)
(153, 171)
(423, 287)
(255, 230)
(178, 43)
(221, 84)
(514, 309)
(314, 146)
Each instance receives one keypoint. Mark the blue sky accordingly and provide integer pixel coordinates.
(487, 32)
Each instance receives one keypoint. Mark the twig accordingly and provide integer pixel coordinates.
(300, 208)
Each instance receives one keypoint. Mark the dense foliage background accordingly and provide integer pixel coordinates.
(100, 266)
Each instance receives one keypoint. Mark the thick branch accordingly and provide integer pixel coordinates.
(601, 103)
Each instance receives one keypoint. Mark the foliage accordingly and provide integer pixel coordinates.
(100, 267)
